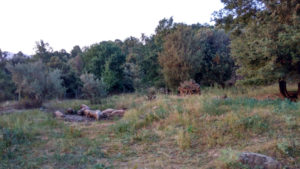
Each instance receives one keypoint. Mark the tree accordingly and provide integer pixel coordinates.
(76, 51)
(266, 40)
(7, 86)
(76, 64)
(175, 59)
(19, 58)
(70, 79)
(105, 60)
(43, 51)
(200, 53)
(92, 87)
(35, 81)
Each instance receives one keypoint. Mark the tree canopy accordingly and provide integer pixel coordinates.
(199, 53)
(266, 38)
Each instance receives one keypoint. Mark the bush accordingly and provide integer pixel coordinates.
(151, 94)
(11, 139)
(93, 88)
(35, 81)
(29, 103)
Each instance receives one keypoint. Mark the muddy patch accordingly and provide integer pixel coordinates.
(77, 118)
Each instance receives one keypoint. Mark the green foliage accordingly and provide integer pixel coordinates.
(105, 60)
(76, 51)
(255, 123)
(196, 53)
(35, 81)
(265, 38)
(43, 52)
(25, 136)
(92, 87)
(7, 86)
(290, 147)
(76, 64)
(12, 138)
(72, 83)
(70, 79)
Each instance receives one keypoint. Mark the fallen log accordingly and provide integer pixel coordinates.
(108, 111)
(97, 114)
(111, 113)
(118, 113)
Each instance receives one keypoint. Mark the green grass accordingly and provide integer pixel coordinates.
(170, 131)
(33, 139)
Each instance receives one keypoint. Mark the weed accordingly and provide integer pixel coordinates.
(290, 147)
(146, 136)
(71, 132)
(255, 123)
(183, 139)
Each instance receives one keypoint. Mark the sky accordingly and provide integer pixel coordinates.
(66, 23)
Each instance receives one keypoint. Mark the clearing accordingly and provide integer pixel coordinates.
(168, 132)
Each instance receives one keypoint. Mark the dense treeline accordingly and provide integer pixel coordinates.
(175, 53)
(262, 41)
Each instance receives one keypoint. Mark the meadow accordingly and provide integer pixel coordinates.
(171, 131)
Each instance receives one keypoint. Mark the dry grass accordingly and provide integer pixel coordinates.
(168, 132)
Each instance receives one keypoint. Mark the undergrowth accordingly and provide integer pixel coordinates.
(204, 131)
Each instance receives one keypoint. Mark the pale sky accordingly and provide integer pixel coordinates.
(66, 23)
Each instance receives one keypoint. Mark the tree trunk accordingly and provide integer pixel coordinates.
(19, 95)
(282, 89)
(298, 93)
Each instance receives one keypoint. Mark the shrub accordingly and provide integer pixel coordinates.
(93, 88)
(151, 94)
(29, 103)
(183, 139)
(35, 81)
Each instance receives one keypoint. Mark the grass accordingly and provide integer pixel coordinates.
(168, 132)
(33, 139)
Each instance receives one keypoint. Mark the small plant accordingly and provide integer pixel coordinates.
(72, 132)
(11, 139)
(15, 136)
(183, 139)
(289, 147)
(230, 160)
(151, 94)
(255, 123)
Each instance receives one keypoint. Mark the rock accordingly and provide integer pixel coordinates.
(58, 114)
(255, 160)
